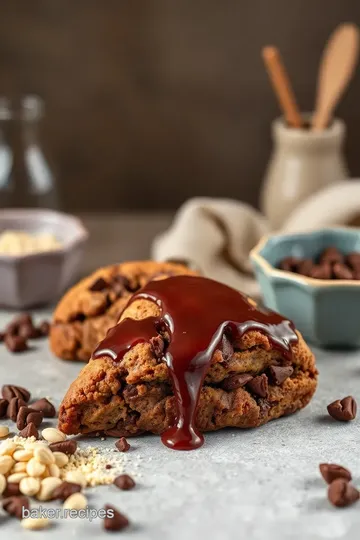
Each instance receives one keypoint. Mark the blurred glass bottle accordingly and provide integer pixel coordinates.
(26, 179)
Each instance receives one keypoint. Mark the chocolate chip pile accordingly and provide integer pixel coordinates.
(331, 264)
(49, 467)
(20, 330)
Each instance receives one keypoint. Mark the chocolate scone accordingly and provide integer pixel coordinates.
(90, 308)
(190, 355)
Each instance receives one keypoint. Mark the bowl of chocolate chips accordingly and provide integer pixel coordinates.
(313, 278)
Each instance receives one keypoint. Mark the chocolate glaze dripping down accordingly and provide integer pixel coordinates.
(196, 312)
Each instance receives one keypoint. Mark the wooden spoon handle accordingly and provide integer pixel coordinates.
(336, 69)
(282, 86)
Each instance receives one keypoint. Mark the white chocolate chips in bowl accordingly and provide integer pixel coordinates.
(14, 242)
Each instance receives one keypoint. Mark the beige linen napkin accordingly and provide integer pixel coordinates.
(216, 235)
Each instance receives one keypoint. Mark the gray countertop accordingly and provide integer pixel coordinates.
(261, 483)
(255, 484)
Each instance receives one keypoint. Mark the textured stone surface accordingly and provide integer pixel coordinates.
(254, 484)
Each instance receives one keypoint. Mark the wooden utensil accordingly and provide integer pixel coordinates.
(282, 86)
(336, 69)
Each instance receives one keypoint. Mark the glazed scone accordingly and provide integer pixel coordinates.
(134, 394)
(90, 308)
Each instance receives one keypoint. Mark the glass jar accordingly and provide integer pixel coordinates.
(26, 178)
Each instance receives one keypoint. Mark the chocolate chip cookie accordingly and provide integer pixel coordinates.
(90, 308)
(193, 347)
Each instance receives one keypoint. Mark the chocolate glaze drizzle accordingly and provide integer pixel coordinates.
(196, 312)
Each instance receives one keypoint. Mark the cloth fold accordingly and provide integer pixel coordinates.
(216, 235)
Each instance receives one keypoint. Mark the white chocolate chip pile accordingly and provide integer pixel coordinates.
(21, 458)
(22, 243)
(35, 469)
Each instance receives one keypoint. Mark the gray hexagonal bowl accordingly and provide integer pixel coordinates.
(40, 278)
(327, 312)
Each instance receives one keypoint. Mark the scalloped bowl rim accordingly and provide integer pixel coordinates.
(291, 276)
(32, 214)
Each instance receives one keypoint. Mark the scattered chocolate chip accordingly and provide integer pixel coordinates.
(23, 318)
(45, 407)
(65, 489)
(341, 271)
(108, 466)
(259, 385)
(3, 407)
(236, 381)
(26, 415)
(279, 374)
(341, 493)
(67, 447)
(331, 255)
(13, 408)
(321, 271)
(10, 391)
(289, 264)
(11, 329)
(114, 521)
(15, 344)
(14, 506)
(99, 285)
(158, 346)
(344, 409)
(11, 490)
(331, 471)
(122, 445)
(27, 331)
(124, 481)
(29, 431)
(44, 328)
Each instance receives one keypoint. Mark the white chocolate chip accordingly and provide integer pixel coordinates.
(35, 468)
(22, 455)
(46, 472)
(61, 459)
(76, 501)
(54, 470)
(53, 435)
(33, 524)
(20, 466)
(29, 486)
(6, 463)
(44, 455)
(2, 484)
(4, 431)
(47, 488)
(16, 477)
(76, 477)
(7, 448)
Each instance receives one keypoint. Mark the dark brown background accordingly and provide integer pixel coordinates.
(150, 102)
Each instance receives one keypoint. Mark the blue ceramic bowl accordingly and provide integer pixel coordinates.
(327, 312)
